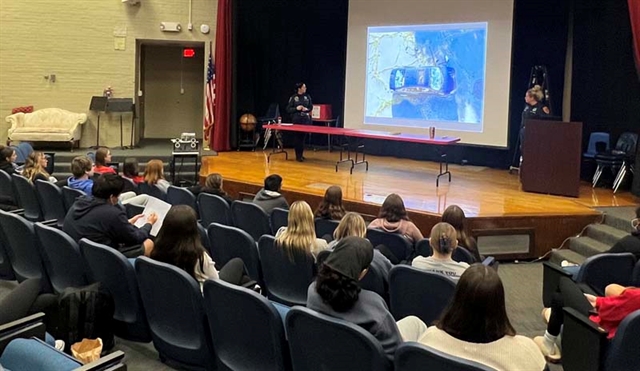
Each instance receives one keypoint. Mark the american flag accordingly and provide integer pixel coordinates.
(211, 97)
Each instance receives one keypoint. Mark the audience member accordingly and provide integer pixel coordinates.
(610, 310)
(213, 186)
(100, 219)
(35, 168)
(178, 243)
(130, 170)
(352, 224)
(454, 215)
(331, 205)
(300, 233)
(443, 241)
(393, 218)
(269, 197)
(475, 326)
(82, 170)
(103, 158)
(154, 175)
(336, 292)
(8, 158)
(630, 243)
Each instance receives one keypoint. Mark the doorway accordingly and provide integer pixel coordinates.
(170, 84)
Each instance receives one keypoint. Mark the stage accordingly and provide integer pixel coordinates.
(491, 198)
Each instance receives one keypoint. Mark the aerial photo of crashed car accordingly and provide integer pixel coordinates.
(436, 80)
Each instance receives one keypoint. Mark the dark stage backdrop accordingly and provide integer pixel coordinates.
(281, 42)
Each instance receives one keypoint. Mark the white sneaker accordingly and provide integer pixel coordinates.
(566, 263)
(59, 345)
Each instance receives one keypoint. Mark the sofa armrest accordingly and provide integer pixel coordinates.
(27, 327)
(16, 120)
(584, 343)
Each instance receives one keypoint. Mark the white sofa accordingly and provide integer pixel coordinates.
(46, 125)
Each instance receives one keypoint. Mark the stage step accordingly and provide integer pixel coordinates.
(604, 233)
(587, 246)
(619, 217)
(558, 256)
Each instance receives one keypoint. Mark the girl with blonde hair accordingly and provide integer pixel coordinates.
(299, 236)
(443, 241)
(34, 168)
(154, 175)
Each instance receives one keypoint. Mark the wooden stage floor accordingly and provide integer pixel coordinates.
(480, 191)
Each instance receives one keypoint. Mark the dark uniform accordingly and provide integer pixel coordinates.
(530, 112)
(300, 117)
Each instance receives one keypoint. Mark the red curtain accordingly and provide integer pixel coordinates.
(634, 13)
(222, 111)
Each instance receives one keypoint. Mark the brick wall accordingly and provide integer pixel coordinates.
(75, 41)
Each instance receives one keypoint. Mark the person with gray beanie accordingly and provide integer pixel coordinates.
(336, 292)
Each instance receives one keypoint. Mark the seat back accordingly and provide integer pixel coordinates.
(319, 342)
(250, 218)
(423, 248)
(594, 139)
(27, 198)
(246, 329)
(418, 293)
(600, 270)
(286, 281)
(272, 113)
(462, 255)
(152, 190)
(228, 242)
(623, 350)
(627, 143)
(6, 272)
(115, 273)
(130, 185)
(412, 356)
(21, 246)
(376, 281)
(181, 196)
(396, 242)
(279, 218)
(174, 306)
(70, 195)
(325, 227)
(635, 277)
(51, 201)
(6, 188)
(61, 257)
(213, 209)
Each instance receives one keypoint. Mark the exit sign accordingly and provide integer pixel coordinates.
(188, 53)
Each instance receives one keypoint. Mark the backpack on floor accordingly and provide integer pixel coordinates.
(83, 312)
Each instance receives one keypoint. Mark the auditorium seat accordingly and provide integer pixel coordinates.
(412, 356)
(213, 209)
(423, 248)
(250, 218)
(51, 201)
(6, 189)
(319, 342)
(22, 246)
(27, 199)
(325, 227)
(286, 282)
(600, 270)
(399, 245)
(228, 242)
(181, 196)
(279, 218)
(152, 190)
(174, 305)
(116, 274)
(247, 331)
(69, 196)
(418, 293)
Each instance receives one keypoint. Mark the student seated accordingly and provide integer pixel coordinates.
(300, 233)
(475, 326)
(82, 170)
(99, 218)
(8, 158)
(103, 157)
(130, 170)
(331, 205)
(393, 218)
(178, 243)
(154, 175)
(443, 241)
(35, 168)
(269, 197)
(336, 292)
(212, 186)
(610, 310)
(454, 215)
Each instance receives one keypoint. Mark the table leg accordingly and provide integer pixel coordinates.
(443, 160)
(275, 150)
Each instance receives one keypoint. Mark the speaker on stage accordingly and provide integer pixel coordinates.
(635, 186)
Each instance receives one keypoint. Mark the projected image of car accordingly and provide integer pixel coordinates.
(436, 80)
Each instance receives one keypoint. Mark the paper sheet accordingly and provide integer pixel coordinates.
(157, 206)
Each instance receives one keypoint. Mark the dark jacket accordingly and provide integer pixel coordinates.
(101, 222)
(629, 243)
(7, 167)
(269, 200)
(300, 117)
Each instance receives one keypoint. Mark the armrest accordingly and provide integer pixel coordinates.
(16, 120)
(583, 342)
(27, 327)
(18, 211)
(489, 261)
(551, 274)
(110, 362)
(50, 222)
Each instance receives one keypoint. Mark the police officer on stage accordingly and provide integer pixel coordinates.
(300, 107)
(533, 108)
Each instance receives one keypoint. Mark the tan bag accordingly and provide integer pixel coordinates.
(87, 350)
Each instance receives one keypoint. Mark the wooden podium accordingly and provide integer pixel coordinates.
(551, 153)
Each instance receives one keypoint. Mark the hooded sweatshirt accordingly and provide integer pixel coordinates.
(85, 185)
(269, 200)
(101, 222)
(405, 227)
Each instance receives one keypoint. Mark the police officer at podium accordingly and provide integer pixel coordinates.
(300, 107)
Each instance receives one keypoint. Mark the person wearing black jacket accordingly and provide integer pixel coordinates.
(300, 107)
(534, 108)
(7, 159)
(213, 186)
(100, 219)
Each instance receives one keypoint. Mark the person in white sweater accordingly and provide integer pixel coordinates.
(443, 242)
(475, 326)
(300, 233)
